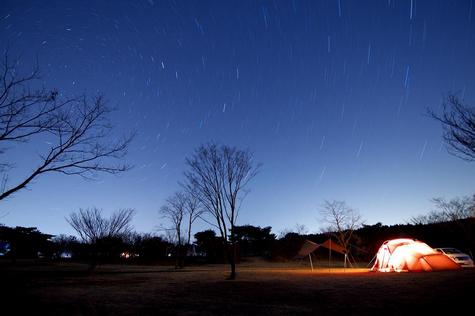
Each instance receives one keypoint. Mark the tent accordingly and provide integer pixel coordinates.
(308, 247)
(404, 254)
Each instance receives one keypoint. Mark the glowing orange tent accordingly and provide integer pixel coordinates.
(403, 255)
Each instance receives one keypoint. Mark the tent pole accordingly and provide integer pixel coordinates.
(310, 257)
(350, 258)
(374, 258)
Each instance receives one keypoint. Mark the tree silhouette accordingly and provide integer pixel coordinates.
(458, 121)
(175, 211)
(219, 176)
(342, 221)
(77, 130)
(194, 210)
(100, 232)
(447, 211)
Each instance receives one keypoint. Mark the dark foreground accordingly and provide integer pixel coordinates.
(68, 289)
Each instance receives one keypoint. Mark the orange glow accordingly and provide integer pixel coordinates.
(404, 255)
(127, 255)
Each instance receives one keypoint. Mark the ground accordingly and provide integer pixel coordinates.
(260, 289)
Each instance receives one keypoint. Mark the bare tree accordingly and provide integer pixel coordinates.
(193, 211)
(220, 175)
(92, 226)
(456, 208)
(458, 121)
(301, 229)
(76, 131)
(448, 211)
(342, 221)
(174, 211)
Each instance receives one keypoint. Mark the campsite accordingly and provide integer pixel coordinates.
(262, 288)
(295, 274)
(249, 157)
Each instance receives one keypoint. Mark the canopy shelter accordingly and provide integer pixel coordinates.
(309, 247)
(404, 255)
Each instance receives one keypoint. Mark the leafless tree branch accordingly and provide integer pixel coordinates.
(92, 226)
(458, 121)
(447, 211)
(174, 211)
(77, 129)
(218, 175)
(342, 221)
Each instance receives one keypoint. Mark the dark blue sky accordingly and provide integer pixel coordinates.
(330, 96)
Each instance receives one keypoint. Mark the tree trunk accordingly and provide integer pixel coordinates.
(232, 260)
(232, 255)
(177, 250)
(94, 259)
(182, 256)
(189, 230)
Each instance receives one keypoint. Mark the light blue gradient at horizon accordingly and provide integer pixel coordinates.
(330, 96)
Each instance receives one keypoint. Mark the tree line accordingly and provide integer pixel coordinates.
(112, 239)
(207, 247)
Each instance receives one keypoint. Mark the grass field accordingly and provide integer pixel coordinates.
(260, 289)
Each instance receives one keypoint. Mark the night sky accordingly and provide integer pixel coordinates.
(330, 96)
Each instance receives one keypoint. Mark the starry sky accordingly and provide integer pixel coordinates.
(330, 96)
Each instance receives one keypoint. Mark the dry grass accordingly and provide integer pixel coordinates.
(259, 290)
